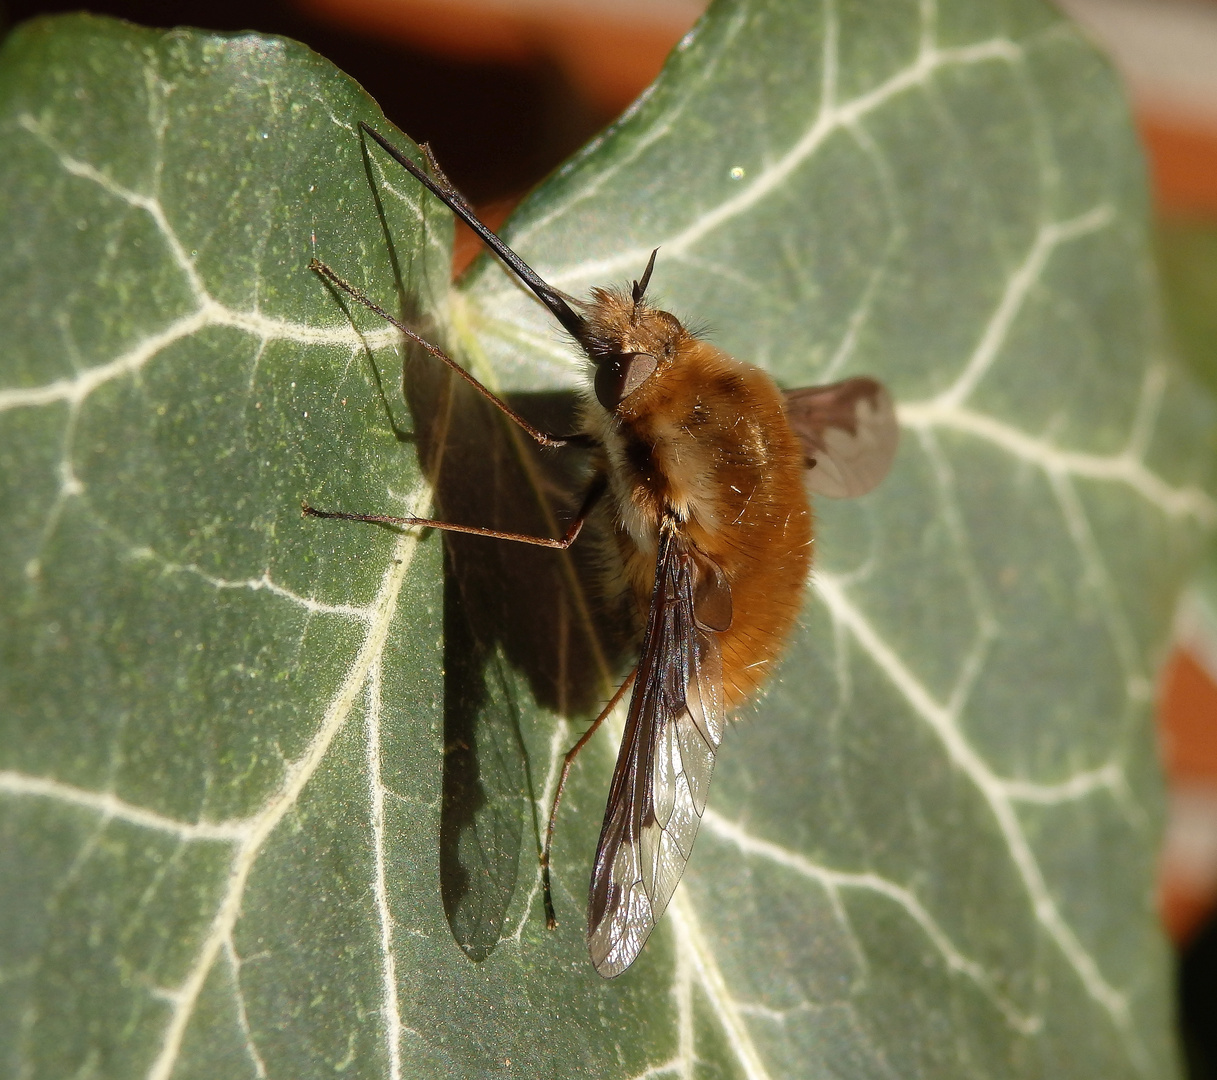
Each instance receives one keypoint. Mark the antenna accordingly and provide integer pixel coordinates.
(640, 287)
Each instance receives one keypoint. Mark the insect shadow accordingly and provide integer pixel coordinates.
(520, 623)
(523, 626)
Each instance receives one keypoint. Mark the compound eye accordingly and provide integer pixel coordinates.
(619, 376)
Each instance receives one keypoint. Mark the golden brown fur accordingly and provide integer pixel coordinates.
(706, 437)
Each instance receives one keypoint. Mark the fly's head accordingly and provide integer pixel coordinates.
(629, 342)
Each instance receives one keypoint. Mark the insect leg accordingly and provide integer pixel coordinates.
(594, 491)
(551, 920)
(358, 296)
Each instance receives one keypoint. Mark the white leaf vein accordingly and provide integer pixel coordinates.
(943, 721)
(296, 777)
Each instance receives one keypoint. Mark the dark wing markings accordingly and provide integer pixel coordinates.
(849, 435)
(672, 732)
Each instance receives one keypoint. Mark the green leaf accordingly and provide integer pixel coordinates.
(271, 788)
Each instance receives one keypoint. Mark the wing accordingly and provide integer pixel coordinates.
(849, 435)
(672, 732)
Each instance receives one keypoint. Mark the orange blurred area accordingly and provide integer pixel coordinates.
(1182, 163)
(1181, 154)
(1189, 712)
(608, 56)
(1188, 727)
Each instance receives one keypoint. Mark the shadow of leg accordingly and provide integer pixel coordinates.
(526, 630)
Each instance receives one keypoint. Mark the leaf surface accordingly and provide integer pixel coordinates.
(271, 788)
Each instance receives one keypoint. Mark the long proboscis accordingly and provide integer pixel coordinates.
(451, 198)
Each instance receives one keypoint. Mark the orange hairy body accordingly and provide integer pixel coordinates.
(706, 438)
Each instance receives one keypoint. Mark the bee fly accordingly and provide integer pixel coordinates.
(706, 466)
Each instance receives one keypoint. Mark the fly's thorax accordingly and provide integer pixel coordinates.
(698, 438)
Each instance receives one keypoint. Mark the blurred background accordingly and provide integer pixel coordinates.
(1166, 51)
(505, 90)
